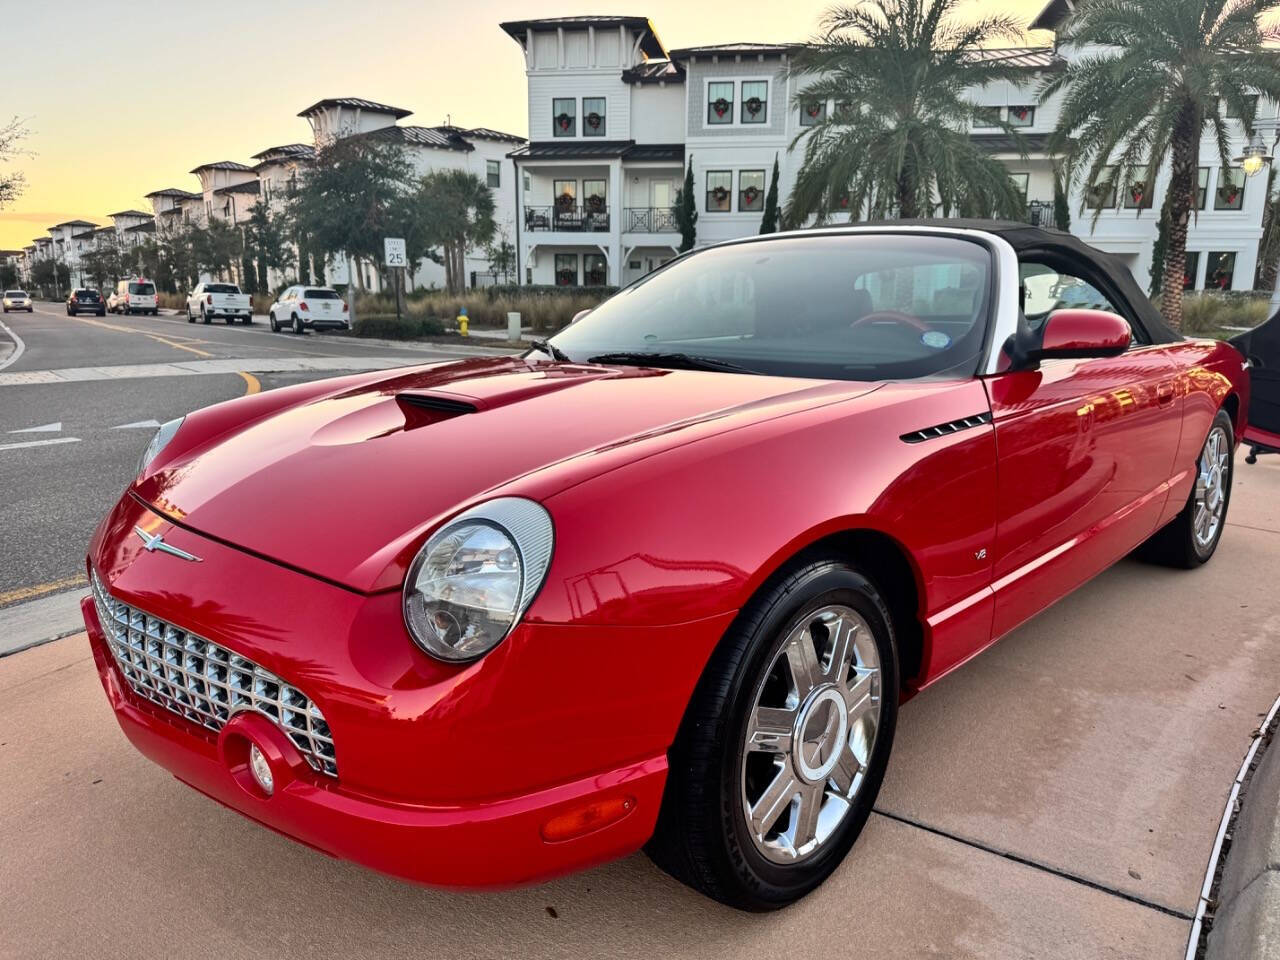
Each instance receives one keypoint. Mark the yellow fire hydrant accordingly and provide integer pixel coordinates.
(462, 322)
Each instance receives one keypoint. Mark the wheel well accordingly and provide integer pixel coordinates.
(1231, 404)
(886, 563)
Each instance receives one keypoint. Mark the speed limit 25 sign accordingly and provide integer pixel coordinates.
(393, 248)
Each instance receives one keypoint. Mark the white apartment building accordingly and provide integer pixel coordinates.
(172, 207)
(614, 117)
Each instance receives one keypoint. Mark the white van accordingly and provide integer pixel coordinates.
(134, 296)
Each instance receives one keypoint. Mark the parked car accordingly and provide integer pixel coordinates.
(302, 307)
(134, 296)
(664, 580)
(209, 301)
(17, 300)
(85, 300)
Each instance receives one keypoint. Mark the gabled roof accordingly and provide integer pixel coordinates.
(1054, 12)
(223, 165)
(654, 71)
(735, 49)
(249, 186)
(288, 151)
(73, 223)
(173, 192)
(485, 133)
(84, 234)
(356, 103)
(129, 213)
(1032, 58)
(518, 29)
(443, 137)
(148, 227)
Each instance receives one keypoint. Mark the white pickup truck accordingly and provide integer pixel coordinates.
(211, 300)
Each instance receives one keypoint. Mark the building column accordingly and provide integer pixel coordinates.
(614, 255)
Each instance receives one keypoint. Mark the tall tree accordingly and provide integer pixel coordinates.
(686, 211)
(11, 136)
(265, 242)
(456, 209)
(898, 73)
(1158, 75)
(1269, 245)
(769, 220)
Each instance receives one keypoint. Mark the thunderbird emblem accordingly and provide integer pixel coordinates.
(152, 543)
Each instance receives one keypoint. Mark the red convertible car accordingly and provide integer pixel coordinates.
(663, 581)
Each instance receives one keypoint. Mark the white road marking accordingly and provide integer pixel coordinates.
(38, 443)
(47, 428)
(228, 365)
(18, 346)
(138, 425)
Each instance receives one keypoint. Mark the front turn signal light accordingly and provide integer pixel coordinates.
(579, 821)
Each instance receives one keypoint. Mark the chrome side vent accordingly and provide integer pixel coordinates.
(946, 429)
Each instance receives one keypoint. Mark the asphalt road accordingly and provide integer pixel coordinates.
(78, 405)
(1056, 798)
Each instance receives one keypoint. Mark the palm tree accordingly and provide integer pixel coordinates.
(1157, 77)
(897, 73)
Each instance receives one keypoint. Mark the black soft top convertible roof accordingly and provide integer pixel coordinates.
(1023, 237)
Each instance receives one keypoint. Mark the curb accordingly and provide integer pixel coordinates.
(1243, 915)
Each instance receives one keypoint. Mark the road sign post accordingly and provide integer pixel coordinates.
(394, 257)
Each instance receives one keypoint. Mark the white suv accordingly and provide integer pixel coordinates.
(134, 296)
(17, 300)
(301, 307)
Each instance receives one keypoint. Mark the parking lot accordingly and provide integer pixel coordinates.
(1058, 797)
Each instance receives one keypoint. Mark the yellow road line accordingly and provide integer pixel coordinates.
(26, 593)
(154, 336)
(251, 382)
(178, 346)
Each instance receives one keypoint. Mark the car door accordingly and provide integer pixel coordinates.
(1085, 447)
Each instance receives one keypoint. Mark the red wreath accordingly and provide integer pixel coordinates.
(595, 203)
(594, 120)
(1020, 112)
(721, 194)
(564, 201)
(566, 277)
(721, 106)
(1229, 194)
(565, 120)
(750, 194)
(813, 110)
(1137, 192)
(843, 201)
(754, 105)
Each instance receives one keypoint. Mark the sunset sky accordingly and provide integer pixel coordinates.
(123, 98)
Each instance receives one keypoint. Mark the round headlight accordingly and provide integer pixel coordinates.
(474, 578)
(159, 442)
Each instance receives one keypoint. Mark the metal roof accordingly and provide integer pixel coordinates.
(223, 165)
(249, 186)
(654, 71)
(129, 213)
(1054, 12)
(1032, 58)
(1003, 143)
(286, 151)
(356, 103)
(649, 42)
(599, 149)
(655, 151)
(84, 233)
(735, 49)
(173, 192)
(73, 223)
(148, 227)
(485, 133)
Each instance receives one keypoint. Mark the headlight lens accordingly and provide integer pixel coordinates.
(159, 442)
(474, 578)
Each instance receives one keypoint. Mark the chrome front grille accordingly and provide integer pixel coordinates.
(204, 682)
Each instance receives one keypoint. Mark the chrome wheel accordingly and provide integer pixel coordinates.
(810, 733)
(1213, 476)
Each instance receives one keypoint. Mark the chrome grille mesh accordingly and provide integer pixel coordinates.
(204, 682)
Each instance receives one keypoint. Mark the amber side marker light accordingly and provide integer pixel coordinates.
(593, 816)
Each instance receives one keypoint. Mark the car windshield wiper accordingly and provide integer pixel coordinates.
(686, 361)
(551, 350)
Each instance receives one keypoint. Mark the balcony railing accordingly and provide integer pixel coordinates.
(569, 218)
(649, 220)
(1039, 213)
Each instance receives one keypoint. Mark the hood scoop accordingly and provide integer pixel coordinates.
(424, 409)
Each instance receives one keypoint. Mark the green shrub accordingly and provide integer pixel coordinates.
(387, 326)
(538, 309)
(1213, 314)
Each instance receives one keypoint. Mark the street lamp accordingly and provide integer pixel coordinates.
(1255, 156)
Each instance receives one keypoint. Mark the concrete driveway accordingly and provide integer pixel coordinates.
(1056, 798)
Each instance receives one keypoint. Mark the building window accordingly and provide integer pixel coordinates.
(566, 269)
(1250, 105)
(1020, 181)
(719, 103)
(987, 117)
(1189, 270)
(813, 112)
(755, 101)
(1101, 194)
(595, 270)
(593, 117)
(1219, 270)
(1022, 116)
(493, 173)
(750, 190)
(719, 191)
(594, 203)
(1230, 195)
(1202, 187)
(564, 117)
(1137, 196)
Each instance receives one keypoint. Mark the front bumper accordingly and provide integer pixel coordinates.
(447, 775)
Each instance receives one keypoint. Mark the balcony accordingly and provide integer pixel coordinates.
(1039, 213)
(649, 220)
(568, 218)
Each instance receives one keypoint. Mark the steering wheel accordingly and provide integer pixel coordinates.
(892, 316)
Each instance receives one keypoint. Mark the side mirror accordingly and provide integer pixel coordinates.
(1073, 334)
(578, 316)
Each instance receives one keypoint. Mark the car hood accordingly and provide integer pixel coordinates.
(344, 486)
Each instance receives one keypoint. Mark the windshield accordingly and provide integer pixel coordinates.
(15, 293)
(845, 307)
(221, 288)
(320, 295)
(145, 289)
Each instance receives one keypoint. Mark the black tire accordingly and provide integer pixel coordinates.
(271, 320)
(102, 313)
(1176, 544)
(701, 838)
(190, 318)
(204, 317)
(298, 328)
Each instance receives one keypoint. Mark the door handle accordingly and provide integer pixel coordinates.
(1164, 393)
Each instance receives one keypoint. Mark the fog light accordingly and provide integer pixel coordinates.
(260, 769)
